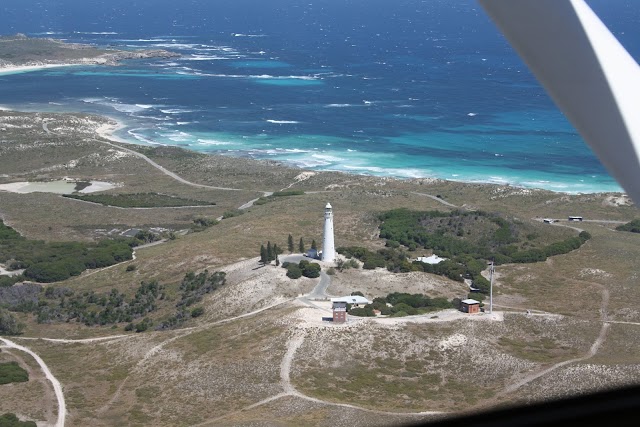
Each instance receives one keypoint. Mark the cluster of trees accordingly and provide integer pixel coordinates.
(632, 226)
(402, 304)
(48, 262)
(139, 200)
(269, 253)
(63, 304)
(303, 268)
(466, 257)
(11, 372)
(193, 288)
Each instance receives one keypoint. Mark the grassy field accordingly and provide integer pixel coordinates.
(216, 367)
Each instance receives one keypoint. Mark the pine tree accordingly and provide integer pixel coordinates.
(313, 244)
(301, 246)
(277, 261)
(269, 252)
(263, 254)
(290, 243)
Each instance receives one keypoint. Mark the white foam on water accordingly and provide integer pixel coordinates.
(176, 110)
(212, 142)
(248, 35)
(141, 138)
(197, 57)
(282, 122)
(100, 33)
(340, 105)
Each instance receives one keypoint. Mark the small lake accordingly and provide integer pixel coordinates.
(61, 186)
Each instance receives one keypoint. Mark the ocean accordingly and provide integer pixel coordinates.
(403, 88)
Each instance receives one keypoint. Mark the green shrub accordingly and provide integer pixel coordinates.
(232, 213)
(400, 314)
(366, 311)
(311, 270)
(294, 272)
(11, 420)
(197, 312)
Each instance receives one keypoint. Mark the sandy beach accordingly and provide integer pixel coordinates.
(17, 69)
(107, 130)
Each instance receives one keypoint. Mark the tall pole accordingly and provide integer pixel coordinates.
(491, 288)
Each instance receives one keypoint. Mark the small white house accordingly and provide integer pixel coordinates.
(356, 300)
(433, 259)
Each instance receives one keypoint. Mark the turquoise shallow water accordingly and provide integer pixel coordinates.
(405, 89)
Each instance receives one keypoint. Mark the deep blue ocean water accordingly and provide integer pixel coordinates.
(405, 88)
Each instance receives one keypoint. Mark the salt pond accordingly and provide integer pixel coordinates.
(61, 186)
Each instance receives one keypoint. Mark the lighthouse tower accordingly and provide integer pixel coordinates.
(328, 248)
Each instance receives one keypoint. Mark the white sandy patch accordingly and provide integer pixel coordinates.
(455, 340)
(5, 272)
(107, 130)
(304, 176)
(14, 187)
(65, 186)
(594, 272)
(621, 200)
(28, 68)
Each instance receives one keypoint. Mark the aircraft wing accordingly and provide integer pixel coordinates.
(586, 71)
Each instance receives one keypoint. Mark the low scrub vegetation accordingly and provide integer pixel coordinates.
(48, 262)
(275, 195)
(139, 200)
(11, 420)
(11, 372)
(632, 226)
(8, 324)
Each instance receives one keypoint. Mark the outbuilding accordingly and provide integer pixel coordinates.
(339, 311)
(470, 306)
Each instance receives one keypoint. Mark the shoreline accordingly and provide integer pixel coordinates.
(107, 131)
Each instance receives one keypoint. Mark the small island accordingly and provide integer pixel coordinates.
(21, 53)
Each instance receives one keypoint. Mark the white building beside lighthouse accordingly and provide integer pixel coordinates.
(328, 246)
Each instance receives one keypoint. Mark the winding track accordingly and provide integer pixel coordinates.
(57, 388)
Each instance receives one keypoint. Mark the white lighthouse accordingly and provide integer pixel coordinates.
(328, 247)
